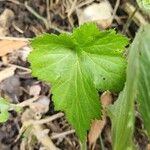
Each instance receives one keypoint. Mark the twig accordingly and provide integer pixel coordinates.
(44, 139)
(72, 8)
(20, 67)
(126, 26)
(47, 25)
(115, 9)
(47, 11)
(48, 119)
(42, 121)
(57, 29)
(137, 17)
(27, 102)
(84, 3)
(13, 1)
(31, 10)
(17, 28)
(63, 134)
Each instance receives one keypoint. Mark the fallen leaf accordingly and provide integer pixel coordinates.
(98, 125)
(7, 72)
(101, 13)
(8, 46)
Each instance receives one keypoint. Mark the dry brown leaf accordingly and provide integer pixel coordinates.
(7, 72)
(98, 125)
(8, 46)
(101, 13)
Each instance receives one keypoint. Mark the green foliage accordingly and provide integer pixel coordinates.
(137, 87)
(144, 4)
(122, 112)
(143, 96)
(4, 107)
(78, 65)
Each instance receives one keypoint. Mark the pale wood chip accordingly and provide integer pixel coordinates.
(7, 72)
(5, 21)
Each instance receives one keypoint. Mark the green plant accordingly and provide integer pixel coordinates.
(5, 107)
(78, 65)
(144, 5)
(136, 89)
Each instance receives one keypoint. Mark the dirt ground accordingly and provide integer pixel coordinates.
(25, 19)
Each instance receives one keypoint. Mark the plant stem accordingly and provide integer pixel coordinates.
(84, 145)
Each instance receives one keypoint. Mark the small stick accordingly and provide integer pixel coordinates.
(137, 17)
(44, 139)
(27, 102)
(20, 67)
(48, 119)
(60, 135)
(13, 1)
(126, 26)
(57, 29)
(72, 8)
(31, 10)
(17, 28)
(47, 25)
(48, 11)
(84, 3)
(42, 121)
(115, 9)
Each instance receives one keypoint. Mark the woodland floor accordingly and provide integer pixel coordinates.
(54, 16)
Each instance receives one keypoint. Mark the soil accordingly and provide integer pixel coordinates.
(25, 24)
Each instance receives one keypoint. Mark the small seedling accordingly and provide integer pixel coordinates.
(5, 107)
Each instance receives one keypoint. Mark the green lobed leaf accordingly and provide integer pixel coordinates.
(78, 65)
(143, 96)
(122, 112)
